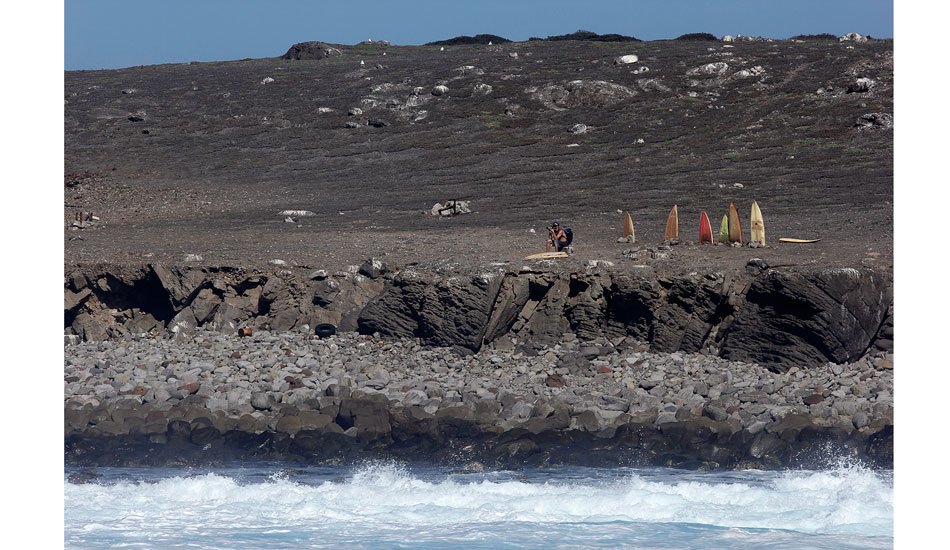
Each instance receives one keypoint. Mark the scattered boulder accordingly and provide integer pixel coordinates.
(373, 268)
(853, 37)
(652, 84)
(747, 73)
(581, 93)
(718, 68)
(876, 121)
(578, 129)
(626, 59)
(741, 38)
(311, 50)
(860, 86)
(440, 90)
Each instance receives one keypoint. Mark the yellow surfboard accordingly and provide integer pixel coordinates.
(672, 226)
(628, 227)
(724, 229)
(790, 240)
(735, 229)
(756, 225)
(546, 256)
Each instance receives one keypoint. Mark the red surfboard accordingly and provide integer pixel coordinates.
(705, 231)
(735, 229)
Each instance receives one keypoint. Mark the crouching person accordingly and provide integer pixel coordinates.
(557, 238)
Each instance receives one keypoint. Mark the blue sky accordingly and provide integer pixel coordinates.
(109, 34)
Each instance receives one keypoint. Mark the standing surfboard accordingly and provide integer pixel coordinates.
(628, 228)
(756, 225)
(672, 226)
(724, 229)
(735, 230)
(705, 231)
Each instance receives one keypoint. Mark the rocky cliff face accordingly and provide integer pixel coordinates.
(777, 317)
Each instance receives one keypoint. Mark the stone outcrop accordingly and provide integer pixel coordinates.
(442, 311)
(807, 318)
(779, 317)
(581, 93)
(311, 50)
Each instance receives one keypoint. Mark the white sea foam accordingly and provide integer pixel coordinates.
(849, 501)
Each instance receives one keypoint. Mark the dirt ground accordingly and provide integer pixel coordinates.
(200, 158)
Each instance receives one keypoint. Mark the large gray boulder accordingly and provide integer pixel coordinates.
(178, 283)
(311, 50)
(581, 93)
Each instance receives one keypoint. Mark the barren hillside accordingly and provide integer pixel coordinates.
(200, 158)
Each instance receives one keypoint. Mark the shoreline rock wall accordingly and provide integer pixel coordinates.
(777, 317)
(215, 397)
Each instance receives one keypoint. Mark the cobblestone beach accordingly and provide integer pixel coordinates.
(352, 391)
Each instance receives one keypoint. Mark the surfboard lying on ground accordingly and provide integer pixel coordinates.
(735, 229)
(756, 225)
(546, 256)
(628, 227)
(790, 240)
(705, 231)
(724, 229)
(672, 226)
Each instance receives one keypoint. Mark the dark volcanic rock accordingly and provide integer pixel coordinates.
(477, 39)
(311, 50)
(442, 311)
(791, 318)
(588, 36)
(697, 36)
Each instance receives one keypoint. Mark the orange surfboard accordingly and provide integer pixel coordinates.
(672, 226)
(705, 230)
(735, 229)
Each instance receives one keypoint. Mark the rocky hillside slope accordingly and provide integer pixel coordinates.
(203, 158)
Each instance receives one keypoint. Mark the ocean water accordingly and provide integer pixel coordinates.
(389, 505)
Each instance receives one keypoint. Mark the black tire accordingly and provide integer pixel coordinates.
(324, 330)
